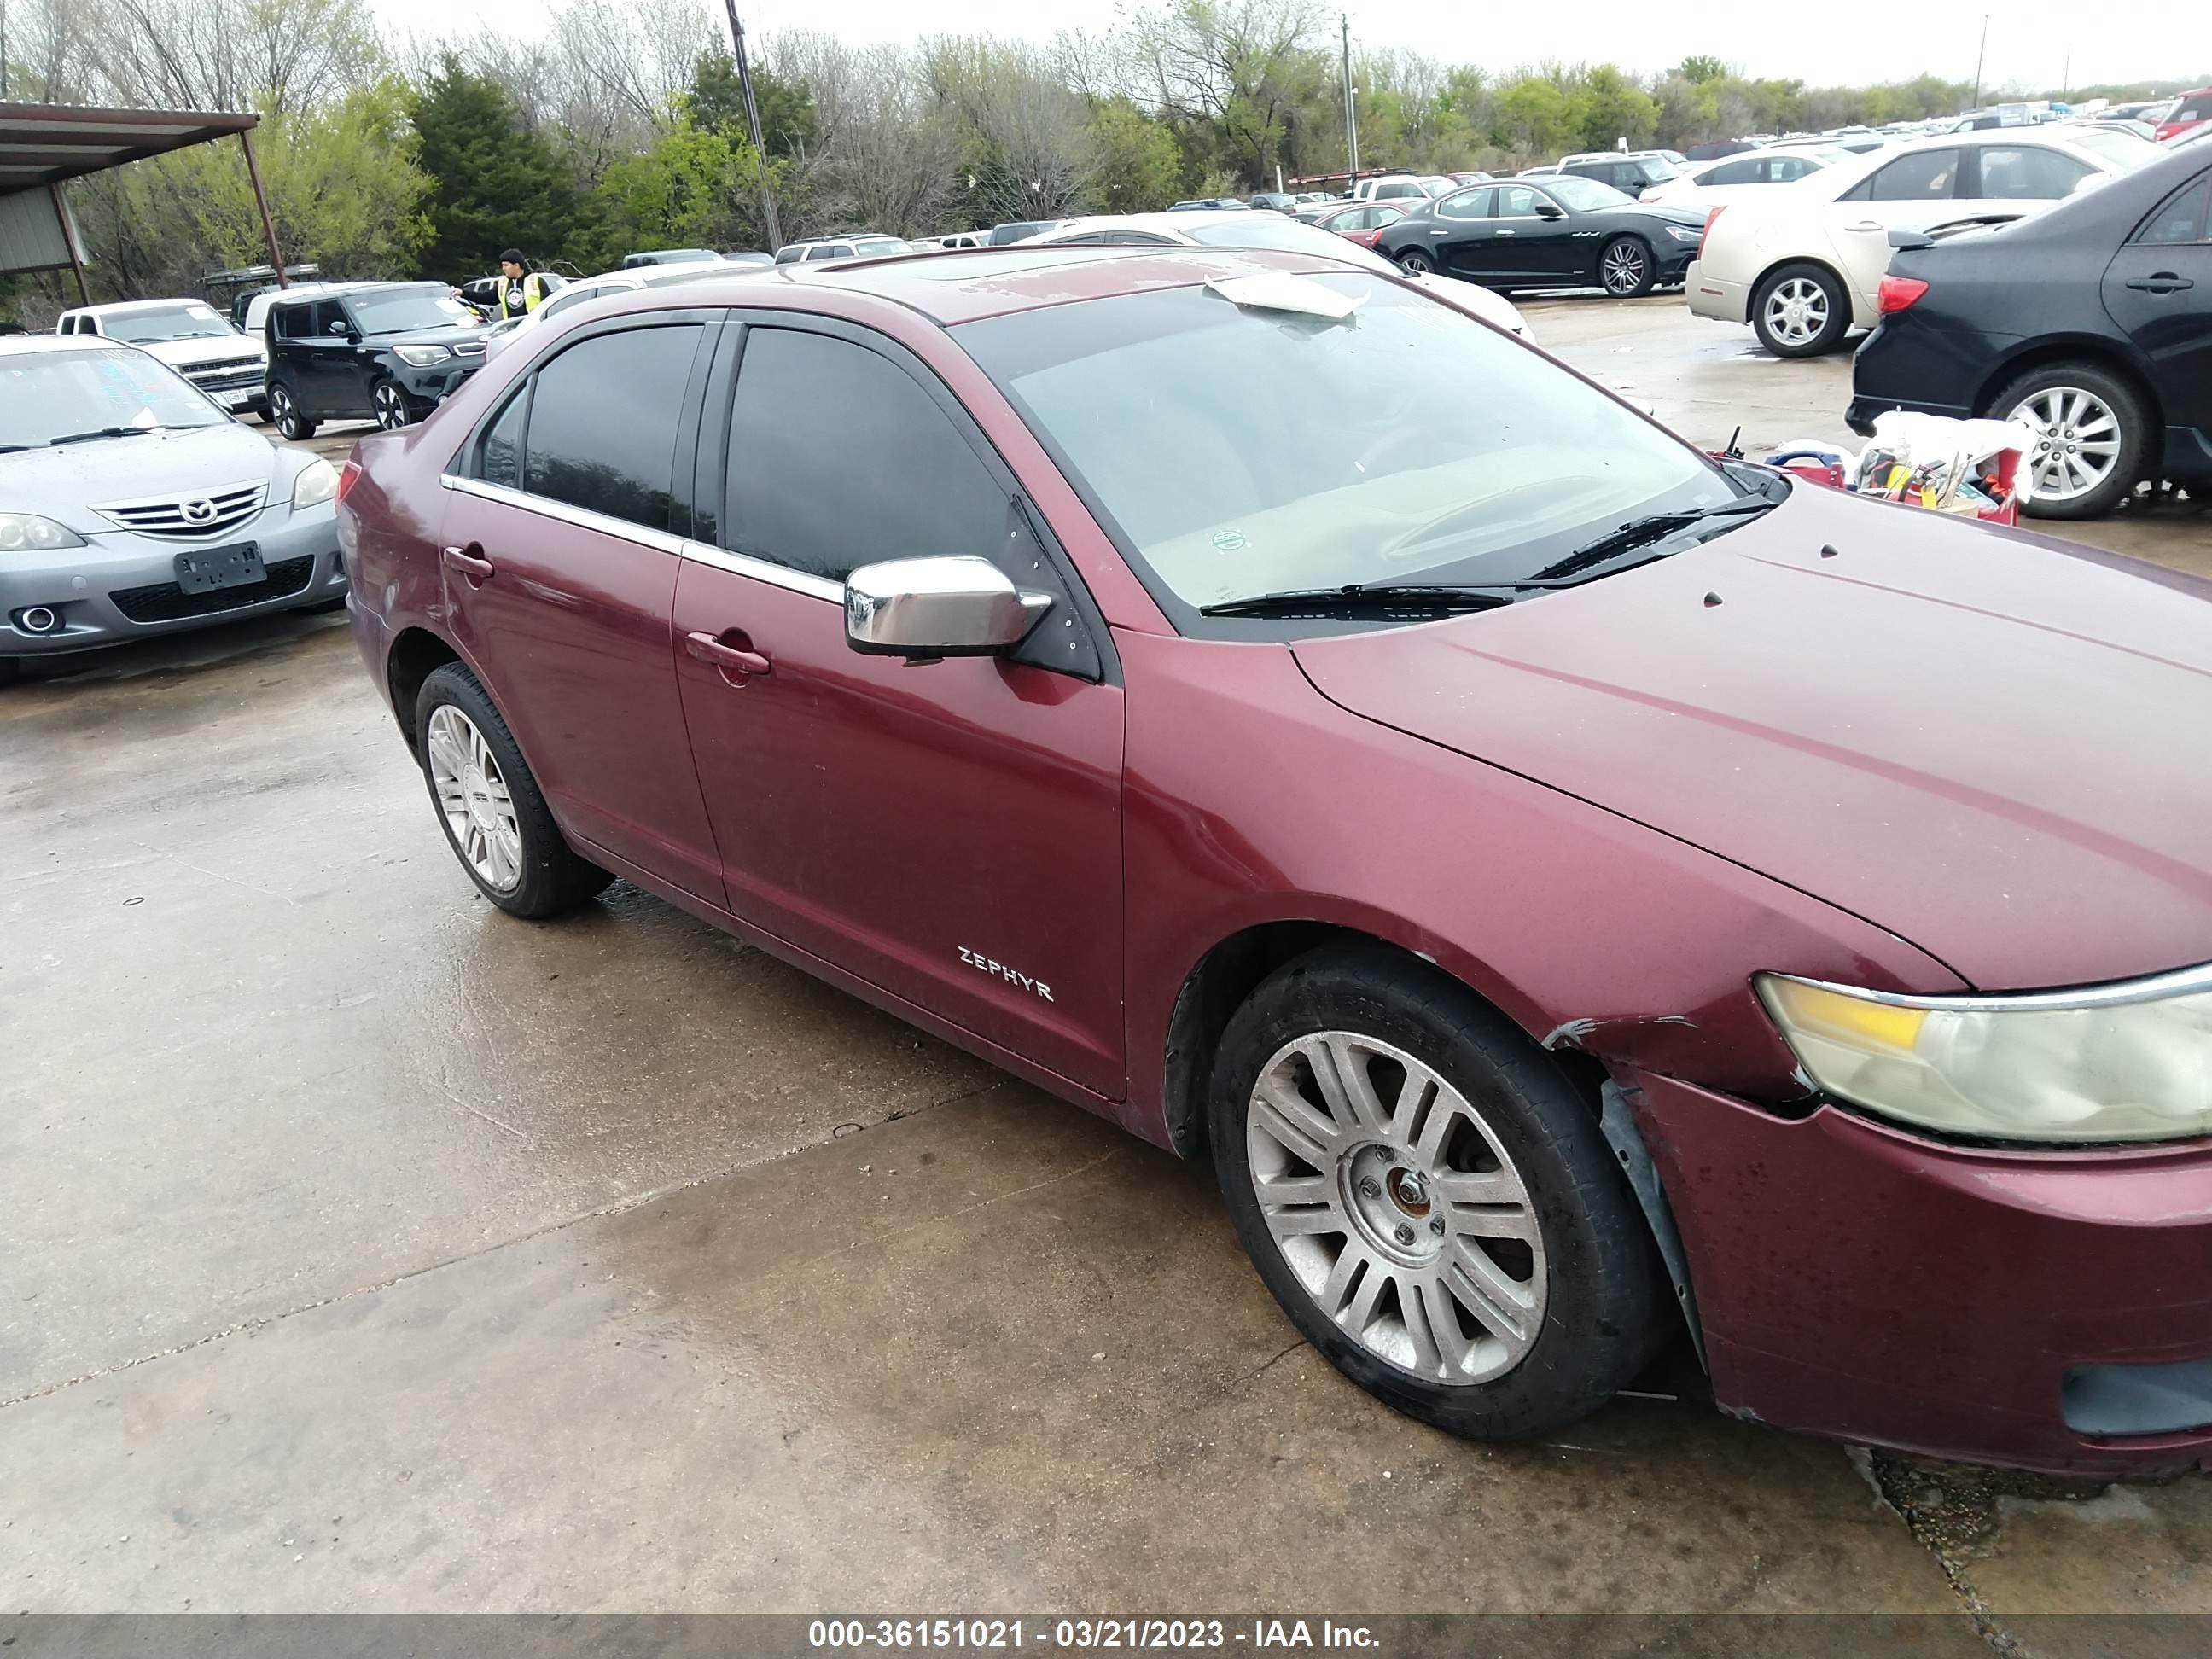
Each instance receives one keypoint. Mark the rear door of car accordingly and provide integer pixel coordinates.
(2159, 289)
(563, 535)
(1912, 192)
(949, 831)
(1459, 232)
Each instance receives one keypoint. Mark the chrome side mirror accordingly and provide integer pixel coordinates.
(940, 607)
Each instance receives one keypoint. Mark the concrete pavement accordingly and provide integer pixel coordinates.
(369, 1250)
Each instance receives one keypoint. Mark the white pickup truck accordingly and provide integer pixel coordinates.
(192, 338)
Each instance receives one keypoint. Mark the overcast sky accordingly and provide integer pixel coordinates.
(1846, 45)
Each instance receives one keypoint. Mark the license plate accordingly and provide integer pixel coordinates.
(220, 567)
(234, 399)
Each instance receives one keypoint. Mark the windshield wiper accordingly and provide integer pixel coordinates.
(1373, 596)
(1640, 533)
(104, 432)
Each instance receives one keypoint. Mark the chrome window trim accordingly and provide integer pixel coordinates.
(582, 517)
(763, 570)
(2157, 988)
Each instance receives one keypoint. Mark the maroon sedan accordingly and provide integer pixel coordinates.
(1575, 892)
(1361, 222)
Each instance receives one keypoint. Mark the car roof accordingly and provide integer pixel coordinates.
(25, 345)
(951, 285)
(287, 297)
(119, 308)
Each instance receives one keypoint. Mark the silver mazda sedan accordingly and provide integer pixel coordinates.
(132, 505)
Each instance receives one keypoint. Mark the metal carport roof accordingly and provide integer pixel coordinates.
(43, 144)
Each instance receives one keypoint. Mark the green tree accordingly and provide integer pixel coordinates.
(694, 188)
(1139, 167)
(492, 182)
(1614, 107)
(716, 102)
(1700, 68)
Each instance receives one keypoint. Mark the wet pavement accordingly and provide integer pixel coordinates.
(369, 1250)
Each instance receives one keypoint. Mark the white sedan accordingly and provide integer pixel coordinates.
(1751, 173)
(1193, 229)
(502, 335)
(1802, 264)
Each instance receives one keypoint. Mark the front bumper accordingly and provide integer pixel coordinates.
(123, 586)
(429, 387)
(1673, 262)
(1711, 298)
(2006, 1307)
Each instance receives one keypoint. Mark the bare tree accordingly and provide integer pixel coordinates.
(1028, 137)
(887, 149)
(1244, 66)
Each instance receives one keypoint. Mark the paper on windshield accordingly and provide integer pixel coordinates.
(1279, 290)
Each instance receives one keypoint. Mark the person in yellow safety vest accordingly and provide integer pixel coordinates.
(519, 289)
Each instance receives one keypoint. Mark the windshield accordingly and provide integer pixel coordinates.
(49, 395)
(1584, 195)
(188, 321)
(1236, 452)
(402, 310)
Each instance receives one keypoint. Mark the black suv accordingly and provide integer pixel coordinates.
(1630, 174)
(388, 351)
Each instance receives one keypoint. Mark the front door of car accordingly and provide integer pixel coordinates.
(949, 831)
(561, 540)
(1913, 192)
(318, 357)
(1559, 244)
(2159, 289)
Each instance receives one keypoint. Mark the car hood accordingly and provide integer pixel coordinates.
(1990, 744)
(458, 334)
(1690, 218)
(60, 483)
(216, 349)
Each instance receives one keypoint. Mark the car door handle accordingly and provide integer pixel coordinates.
(736, 659)
(1508, 233)
(470, 564)
(1865, 226)
(2163, 281)
(1440, 233)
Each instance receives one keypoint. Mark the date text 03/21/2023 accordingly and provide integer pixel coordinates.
(1084, 1634)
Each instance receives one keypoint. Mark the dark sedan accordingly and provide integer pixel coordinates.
(2092, 323)
(1553, 232)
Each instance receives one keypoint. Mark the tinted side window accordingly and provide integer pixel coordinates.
(2027, 172)
(1932, 175)
(499, 456)
(1516, 202)
(1467, 205)
(1733, 173)
(837, 458)
(1787, 169)
(2182, 216)
(603, 419)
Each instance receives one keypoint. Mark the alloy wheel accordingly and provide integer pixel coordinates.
(391, 407)
(1797, 311)
(1414, 263)
(282, 413)
(474, 796)
(1395, 1207)
(1624, 268)
(2077, 440)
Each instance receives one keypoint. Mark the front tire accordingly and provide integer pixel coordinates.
(1801, 310)
(389, 404)
(2093, 437)
(1429, 1199)
(1625, 268)
(494, 815)
(1414, 263)
(284, 414)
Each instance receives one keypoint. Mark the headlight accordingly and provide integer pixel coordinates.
(2119, 1062)
(24, 532)
(317, 482)
(422, 356)
(1686, 232)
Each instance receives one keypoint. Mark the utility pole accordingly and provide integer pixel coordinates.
(753, 128)
(1351, 106)
(1979, 55)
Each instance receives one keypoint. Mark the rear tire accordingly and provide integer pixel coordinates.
(1801, 310)
(494, 815)
(284, 414)
(2104, 420)
(1455, 1235)
(1414, 263)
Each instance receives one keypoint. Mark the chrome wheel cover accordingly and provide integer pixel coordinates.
(391, 408)
(1624, 268)
(1396, 1208)
(1797, 311)
(2077, 440)
(473, 796)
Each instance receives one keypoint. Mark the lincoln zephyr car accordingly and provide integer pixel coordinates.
(1575, 892)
